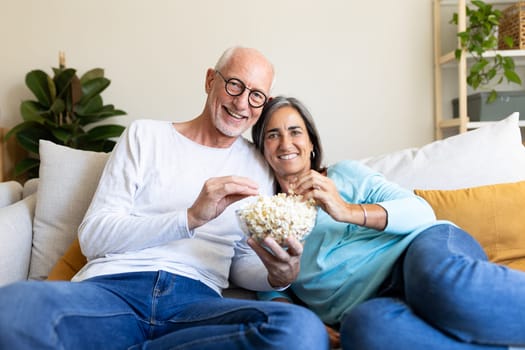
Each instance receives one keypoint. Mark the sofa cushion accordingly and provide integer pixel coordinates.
(16, 235)
(69, 264)
(493, 214)
(68, 180)
(30, 187)
(10, 192)
(491, 154)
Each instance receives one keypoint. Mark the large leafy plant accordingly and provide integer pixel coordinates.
(479, 37)
(65, 109)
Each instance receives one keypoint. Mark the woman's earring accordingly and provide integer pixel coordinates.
(312, 154)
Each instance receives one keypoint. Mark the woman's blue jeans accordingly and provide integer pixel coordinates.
(148, 310)
(451, 298)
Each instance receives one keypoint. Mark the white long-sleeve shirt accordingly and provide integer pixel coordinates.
(137, 220)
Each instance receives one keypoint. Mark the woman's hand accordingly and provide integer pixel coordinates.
(323, 190)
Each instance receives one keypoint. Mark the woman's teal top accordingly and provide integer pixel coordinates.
(344, 264)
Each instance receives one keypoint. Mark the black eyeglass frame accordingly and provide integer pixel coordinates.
(244, 87)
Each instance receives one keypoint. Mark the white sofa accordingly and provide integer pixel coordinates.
(38, 226)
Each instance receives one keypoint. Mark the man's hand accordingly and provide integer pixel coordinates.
(283, 265)
(216, 194)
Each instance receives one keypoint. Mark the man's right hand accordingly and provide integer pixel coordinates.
(216, 194)
(283, 265)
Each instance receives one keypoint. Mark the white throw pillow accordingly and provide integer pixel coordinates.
(68, 180)
(491, 154)
(16, 235)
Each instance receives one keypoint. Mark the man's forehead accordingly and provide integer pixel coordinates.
(253, 76)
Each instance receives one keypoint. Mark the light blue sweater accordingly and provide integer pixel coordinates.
(344, 264)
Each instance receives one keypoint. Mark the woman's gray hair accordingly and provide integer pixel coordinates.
(271, 107)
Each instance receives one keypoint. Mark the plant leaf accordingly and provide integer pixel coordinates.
(508, 41)
(32, 111)
(108, 145)
(26, 165)
(508, 63)
(94, 105)
(92, 88)
(512, 76)
(99, 116)
(492, 96)
(22, 126)
(63, 80)
(479, 65)
(92, 74)
(58, 106)
(478, 3)
(40, 85)
(458, 53)
(63, 135)
(29, 138)
(104, 132)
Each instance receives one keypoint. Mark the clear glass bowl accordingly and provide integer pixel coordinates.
(279, 228)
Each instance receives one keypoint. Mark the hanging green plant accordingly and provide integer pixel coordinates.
(479, 37)
(65, 108)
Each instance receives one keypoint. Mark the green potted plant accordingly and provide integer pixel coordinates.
(480, 36)
(65, 109)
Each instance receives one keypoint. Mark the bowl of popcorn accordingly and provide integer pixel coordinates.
(279, 216)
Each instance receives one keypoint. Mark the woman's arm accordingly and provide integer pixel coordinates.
(355, 194)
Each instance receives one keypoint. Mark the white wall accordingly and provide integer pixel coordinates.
(363, 67)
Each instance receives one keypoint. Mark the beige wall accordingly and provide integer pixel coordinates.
(363, 67)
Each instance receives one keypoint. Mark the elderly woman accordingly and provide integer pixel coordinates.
(377, 267)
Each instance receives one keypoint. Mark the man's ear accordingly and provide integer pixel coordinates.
(210, 77)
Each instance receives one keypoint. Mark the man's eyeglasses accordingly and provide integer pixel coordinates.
(235, 87)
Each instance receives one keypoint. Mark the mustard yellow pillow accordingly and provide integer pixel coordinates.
(493, 214)
(69, 264)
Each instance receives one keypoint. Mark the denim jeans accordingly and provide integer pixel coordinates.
(148, 310)
(451, 298)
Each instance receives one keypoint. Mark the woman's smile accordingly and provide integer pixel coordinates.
(288, 156)
(287, 146)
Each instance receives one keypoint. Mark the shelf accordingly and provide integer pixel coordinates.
(443, 60)
(493, 2)
(456, 122)
(448, 60)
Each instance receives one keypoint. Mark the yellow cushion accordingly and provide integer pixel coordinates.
(493, 214)
(69, 264)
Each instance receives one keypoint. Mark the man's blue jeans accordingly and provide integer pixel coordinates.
(150, 310)
(451, 298)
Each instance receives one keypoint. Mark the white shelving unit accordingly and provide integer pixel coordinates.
(443, 60)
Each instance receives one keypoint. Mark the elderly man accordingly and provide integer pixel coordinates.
(162, 241)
